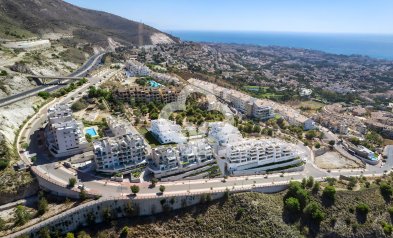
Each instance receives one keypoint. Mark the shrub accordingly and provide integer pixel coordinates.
(42, 206)
(314, 212)
(390, 210)
(22, 216)
(134, 189)
(387, 228)
(77, 106)
(295, 190)
(4, 164)
(162, 188)
(316, 187)
(386, 190)
(70, 235)
(329, 193)
(310, 182)
(125, 232)
(352, 183)
(3, 73)
(292, 205)
(154, 181)
(44, 95)
(71, 182)
(362, 209)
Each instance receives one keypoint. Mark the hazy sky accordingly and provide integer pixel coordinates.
(338, 16)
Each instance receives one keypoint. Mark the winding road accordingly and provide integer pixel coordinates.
(92, 62)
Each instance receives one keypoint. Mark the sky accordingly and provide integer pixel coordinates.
(314, 16)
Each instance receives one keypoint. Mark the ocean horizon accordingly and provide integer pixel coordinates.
(372, 45)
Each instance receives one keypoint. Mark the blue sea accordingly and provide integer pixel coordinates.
(376, 46)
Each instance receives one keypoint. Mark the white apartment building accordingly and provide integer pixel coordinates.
(244, 154)
(167, 161)
(137, 69)
(64, 135)
(167, 131)
(118, 128)
(252, 153)
(261, 111)
(224, 133)
(119, 154)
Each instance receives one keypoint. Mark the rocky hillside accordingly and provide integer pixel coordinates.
(354, 209)
(29, 18)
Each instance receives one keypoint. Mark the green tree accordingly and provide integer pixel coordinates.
(292, 205)
(88, 137)
(329, 193)
(42, 206)
(134, 189)
(310, 182)
(316, 187)
(44, 95)
(71, 182)
(314, 212)
(386, 190)
(332, 142)
(82, 195)
(154, 181)
(70, 235)
(22, 216)
(44, 232)
(362, 209)
(83, 234)
(162, 188)
(124, 232)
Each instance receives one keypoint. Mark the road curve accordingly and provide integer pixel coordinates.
(93, 61)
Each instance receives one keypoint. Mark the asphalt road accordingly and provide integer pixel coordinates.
(92, 62)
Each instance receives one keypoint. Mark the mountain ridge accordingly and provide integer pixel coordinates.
(27, 18)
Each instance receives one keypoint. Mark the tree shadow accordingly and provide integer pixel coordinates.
(327, 202)
(361, 217)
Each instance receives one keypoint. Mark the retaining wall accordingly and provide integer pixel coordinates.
(103, 210)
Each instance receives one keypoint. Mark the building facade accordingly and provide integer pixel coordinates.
(64, 135)
(167, 131)
(119, 154)
(167, 161)
(147, 94)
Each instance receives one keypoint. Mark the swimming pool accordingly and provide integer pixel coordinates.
(91, 131)
(154, 84)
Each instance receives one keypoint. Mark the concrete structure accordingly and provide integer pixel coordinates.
(147, 94)
(119, 154)
(224, 133)
(64, 135)
(119, 128)
(362, 152)
(134, 68)
(167, 131)
(244, 154)
(168, 161)
(309, 124)
(252, 153)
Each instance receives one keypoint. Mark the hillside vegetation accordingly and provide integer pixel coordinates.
(27, 18)
(330, 209)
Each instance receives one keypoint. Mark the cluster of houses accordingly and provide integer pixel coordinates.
(252, 107)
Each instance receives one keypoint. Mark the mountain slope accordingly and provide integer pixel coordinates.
(21, 19)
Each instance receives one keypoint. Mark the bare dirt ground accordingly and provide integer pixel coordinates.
(333, 160)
